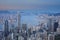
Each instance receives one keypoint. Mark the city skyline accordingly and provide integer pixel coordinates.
(29, 19)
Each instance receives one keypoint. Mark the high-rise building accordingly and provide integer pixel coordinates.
(24, 31)
(6, 29)
(18, 26)
(58, 29)
(19, 19)
(55, 26)
(50, 25)
(24, 26)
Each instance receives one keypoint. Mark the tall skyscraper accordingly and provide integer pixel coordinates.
(50, 25)
(19, 19)
(18, 26)
(6, 29)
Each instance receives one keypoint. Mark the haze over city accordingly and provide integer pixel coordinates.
(29, 19)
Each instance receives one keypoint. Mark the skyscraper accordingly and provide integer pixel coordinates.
(24, 31)
(19, 19)
(50, 25)
(18, 26)
(55, 26)
(6, 29)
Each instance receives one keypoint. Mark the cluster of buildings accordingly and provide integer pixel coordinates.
(47, 29)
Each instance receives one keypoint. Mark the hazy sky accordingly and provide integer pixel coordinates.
(26, 4)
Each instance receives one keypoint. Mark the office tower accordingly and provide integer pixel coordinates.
(51, 25)
(24, 31)
(29, 32)
(6, 29)
(19, 19)
(18, 26)
(12, 31)
(58, 29)
(55, 26)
